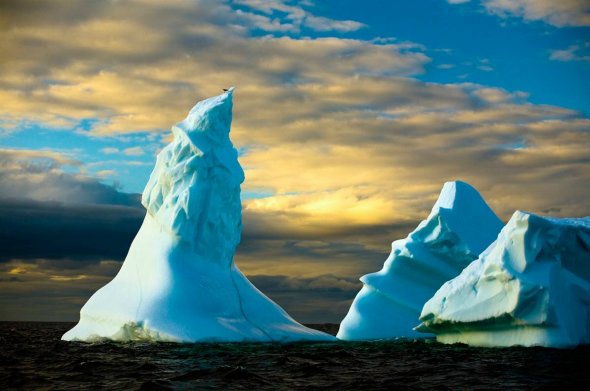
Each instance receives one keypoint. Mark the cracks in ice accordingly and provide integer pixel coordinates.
(232, 277)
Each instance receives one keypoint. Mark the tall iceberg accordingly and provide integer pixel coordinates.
(460, 226)
(531, 287)
(179, 281)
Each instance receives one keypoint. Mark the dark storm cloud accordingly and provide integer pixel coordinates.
(46, 212)
(32, 229)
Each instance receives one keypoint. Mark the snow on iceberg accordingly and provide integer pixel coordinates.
(179, 281)
(459, 227)
(531, 287)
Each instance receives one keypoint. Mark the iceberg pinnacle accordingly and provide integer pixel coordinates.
(179, 281)
(531, 287)
(459, 227)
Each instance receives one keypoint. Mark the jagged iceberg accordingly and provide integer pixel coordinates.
(179, 281)
(459, 227)
(531, 287)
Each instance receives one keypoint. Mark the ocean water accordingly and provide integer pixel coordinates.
(33, 357)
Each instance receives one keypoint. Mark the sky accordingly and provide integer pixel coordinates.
(348, 116)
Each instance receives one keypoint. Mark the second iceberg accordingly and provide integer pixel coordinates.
(460, 226)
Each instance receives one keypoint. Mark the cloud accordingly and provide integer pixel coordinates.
(47, 212)
(319, 284)
(279, 15)
(395, 158)
(324, 298)
(188, 50)
(48, 158)
(574, 52)
(31, 229)
(133, 151)
(484, 65)
(105, 173)
(50, 290)
(557, 13)
(318, 23)
(40, 176)
(109, 151)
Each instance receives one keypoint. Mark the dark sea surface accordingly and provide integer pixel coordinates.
(33, 357)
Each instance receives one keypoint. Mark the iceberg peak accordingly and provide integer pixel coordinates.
(456, 194)
(464, 211)
(208, 122)
(200, 160)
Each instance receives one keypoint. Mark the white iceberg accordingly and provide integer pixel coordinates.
(460, 226)
(179, 281)
(531, 287)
